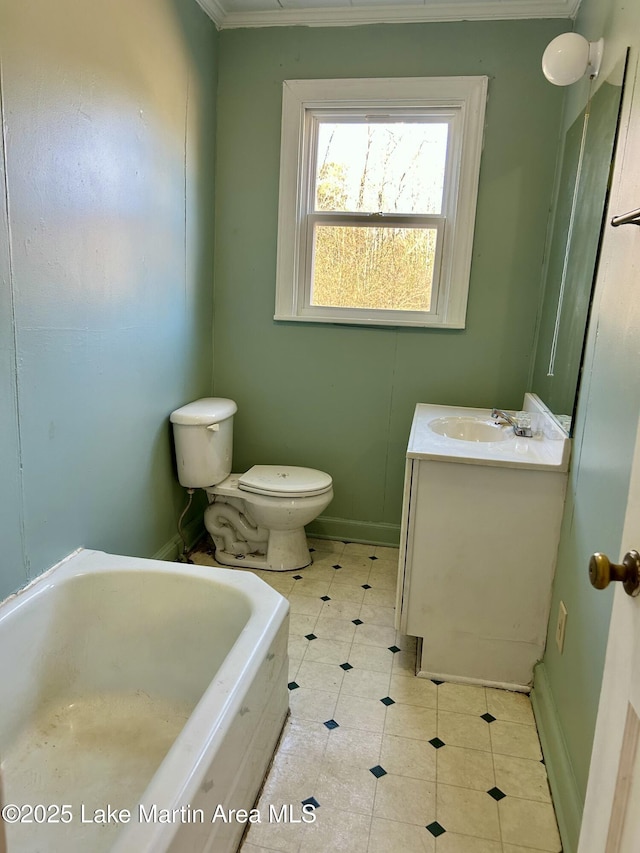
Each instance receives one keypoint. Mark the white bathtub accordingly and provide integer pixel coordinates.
(138, 685)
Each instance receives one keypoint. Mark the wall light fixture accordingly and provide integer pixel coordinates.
(569, 57)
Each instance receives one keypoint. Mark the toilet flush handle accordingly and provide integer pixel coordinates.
(213, 427)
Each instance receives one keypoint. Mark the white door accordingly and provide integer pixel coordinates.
(611, 821)
(611, 818)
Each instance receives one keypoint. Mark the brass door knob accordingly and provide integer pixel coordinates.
(602, 572)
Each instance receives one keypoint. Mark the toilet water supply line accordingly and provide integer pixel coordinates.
(183, 556)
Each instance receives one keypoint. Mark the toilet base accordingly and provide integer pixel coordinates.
(287, 550)
(240, 541)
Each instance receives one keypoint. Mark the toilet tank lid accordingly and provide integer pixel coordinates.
(208, 410)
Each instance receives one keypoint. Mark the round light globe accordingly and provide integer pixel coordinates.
(566, 59)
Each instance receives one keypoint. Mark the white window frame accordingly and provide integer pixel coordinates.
(460, 101)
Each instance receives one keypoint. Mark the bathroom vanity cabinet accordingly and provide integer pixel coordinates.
(480, 531)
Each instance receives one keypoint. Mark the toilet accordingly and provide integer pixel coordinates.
(256, 519)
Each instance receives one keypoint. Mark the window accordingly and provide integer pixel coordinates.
(378, 186)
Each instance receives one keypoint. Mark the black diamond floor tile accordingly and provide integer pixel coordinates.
(346, 666)
(311, 801)
(310, 637)
(337, 566)
(394, 649)
(292, 685)
(436, 682)
(387, 701)
(325, 598)
(331, 724)
(357, 621)
(436, 743)
(436, 829)
(497, 794)
(488, 717)
(378, 771)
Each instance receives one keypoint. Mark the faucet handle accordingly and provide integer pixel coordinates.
(522, 424)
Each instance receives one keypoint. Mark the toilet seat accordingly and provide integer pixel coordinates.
(284, 481)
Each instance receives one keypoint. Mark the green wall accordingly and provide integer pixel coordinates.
(106, 223)
(341, 398)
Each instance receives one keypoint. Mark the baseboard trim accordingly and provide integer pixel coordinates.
(564, 790)
(171, 550)
(349, 530)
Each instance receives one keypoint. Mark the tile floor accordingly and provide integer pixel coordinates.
(393, 763)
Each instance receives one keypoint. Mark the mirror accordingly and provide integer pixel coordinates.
(573, 246)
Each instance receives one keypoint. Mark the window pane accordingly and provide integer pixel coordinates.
(366, 267)
(388, 167)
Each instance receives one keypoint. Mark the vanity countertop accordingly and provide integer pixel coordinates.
(547, 450)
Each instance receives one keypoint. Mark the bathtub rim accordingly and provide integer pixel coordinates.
(63, 570)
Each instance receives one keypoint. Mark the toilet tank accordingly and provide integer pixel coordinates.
(203, 438)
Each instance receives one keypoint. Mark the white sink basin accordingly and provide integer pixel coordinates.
(470, 429)
(468, 435)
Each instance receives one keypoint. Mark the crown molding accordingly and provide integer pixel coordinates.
(214, 10)
(429, 10)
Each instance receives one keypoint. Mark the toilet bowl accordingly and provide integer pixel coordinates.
(271, 521)
(256, 519)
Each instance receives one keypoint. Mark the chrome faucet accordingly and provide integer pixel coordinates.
(518, 430)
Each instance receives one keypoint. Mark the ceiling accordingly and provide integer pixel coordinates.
(228, 14)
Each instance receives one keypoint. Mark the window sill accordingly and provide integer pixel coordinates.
(386, 322)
